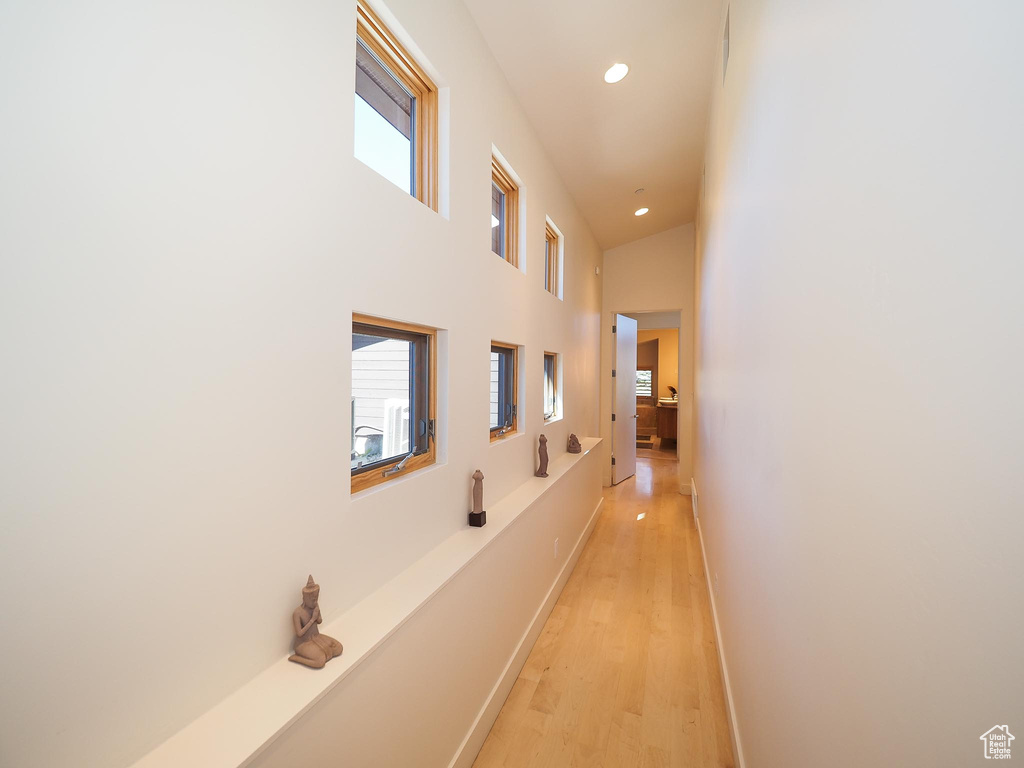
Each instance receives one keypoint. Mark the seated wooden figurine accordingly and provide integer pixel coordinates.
(311, 648)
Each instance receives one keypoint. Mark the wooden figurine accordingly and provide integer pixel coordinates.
(311, 648)
(543, 451)
(478, 517)
(574, 444)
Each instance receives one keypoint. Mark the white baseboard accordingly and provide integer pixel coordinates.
(734, 731)
(470, 746)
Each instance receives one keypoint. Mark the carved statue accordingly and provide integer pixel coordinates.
(312, 648)
(574, 444)
(478, 517)
(543, 451)
(478, 492)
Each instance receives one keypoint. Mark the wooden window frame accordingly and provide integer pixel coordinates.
(554, 384)
(553, 260)
(502, 178)
(378, 473)
(375, 35)
(502, 431)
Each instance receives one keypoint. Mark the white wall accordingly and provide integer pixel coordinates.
(184, 236)
(417, 699)
(860, 426)
(654, 274)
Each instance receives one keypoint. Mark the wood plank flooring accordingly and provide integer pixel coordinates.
(663, 449)
(625, 671)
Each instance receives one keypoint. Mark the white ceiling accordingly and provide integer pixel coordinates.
(653, 321)
(608, 140)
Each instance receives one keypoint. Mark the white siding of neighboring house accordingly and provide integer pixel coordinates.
(494, 390)
(380, 374)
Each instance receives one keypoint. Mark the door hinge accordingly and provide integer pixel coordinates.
(615, 329)
(613, 373)
(613, 417)
(613, 461)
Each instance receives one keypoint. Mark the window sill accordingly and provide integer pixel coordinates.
(512, 264)
(506, 437)
(554, 419)
(392, 482)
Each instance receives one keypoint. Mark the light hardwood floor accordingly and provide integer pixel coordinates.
(625, 671)
(664, 450)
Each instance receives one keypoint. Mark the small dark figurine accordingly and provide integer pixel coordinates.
(311, 648)
(574, 445)
(478, 517)
(543, 451)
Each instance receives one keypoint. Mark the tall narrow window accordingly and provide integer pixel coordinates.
(395, 111)
(550, 385)
(504, 214)
(393, 383)
(504, 375)
(551, 259)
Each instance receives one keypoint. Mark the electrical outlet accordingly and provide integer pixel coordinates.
(556, 549)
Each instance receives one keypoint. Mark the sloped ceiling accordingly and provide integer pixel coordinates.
(609, 140)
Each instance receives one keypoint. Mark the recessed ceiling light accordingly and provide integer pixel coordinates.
(641, 211)
(615, 73)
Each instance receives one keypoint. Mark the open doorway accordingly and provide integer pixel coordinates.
(657, 385)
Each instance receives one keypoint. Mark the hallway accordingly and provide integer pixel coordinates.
(625, 671)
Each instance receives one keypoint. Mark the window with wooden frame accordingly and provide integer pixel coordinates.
(504, 214)
(551, 259)
(550, 386)
(395, 110)
(394, 400)
(504, 387)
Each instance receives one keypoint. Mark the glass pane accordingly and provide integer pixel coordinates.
(383, 121)
(643, 383)
(381, 147)
(379, 88)
(380, 398)
(547, 265)
(495, 386)
(497, 220)
(549, 386)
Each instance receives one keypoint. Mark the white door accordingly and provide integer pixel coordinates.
(624, 399)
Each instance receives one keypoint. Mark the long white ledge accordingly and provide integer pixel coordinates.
(241, 726)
